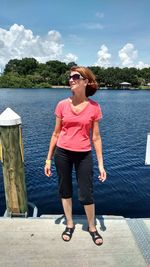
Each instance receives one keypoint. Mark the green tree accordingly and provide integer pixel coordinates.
(23, 66)
(28, 72)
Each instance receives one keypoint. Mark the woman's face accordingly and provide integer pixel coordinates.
(77, 82)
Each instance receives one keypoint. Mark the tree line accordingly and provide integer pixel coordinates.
(29, 73)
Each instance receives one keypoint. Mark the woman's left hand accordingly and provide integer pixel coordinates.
(102, 177)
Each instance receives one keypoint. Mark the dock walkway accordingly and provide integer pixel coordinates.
(36, 242)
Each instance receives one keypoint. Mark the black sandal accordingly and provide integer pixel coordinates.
(95, 236)
(68, 232)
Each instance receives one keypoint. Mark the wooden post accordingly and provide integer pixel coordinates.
(12, 158)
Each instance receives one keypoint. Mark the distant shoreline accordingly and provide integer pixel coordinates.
(60, 86)
(146, 88)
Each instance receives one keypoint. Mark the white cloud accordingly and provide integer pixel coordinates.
(104, 57)
(128, 55)
(18, 42)
(70, 58)
(142, 65)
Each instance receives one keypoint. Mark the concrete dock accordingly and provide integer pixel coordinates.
(36, 242)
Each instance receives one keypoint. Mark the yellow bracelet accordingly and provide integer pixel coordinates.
(48, 162)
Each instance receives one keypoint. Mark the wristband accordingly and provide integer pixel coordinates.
(48, 162)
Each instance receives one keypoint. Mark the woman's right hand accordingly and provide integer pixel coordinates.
(47, 170)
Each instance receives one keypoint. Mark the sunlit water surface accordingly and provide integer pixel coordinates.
(124, 128)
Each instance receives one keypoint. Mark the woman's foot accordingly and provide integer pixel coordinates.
(67, 234)
(97, 238)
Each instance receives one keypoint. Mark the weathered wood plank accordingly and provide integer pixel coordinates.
(13, 169)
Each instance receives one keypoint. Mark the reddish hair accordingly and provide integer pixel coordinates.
(86, 73)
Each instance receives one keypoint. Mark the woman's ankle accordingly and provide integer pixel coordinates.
(92, 228)
(70, 223)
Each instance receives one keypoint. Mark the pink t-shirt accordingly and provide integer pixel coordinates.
(76, 127)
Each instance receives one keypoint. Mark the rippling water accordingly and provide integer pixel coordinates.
(124, 128)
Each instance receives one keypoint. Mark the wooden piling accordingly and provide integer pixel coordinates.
(13, 163)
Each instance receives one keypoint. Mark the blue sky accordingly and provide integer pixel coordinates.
(102, 33)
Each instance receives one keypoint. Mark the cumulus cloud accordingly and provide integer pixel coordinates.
(129, 57)
(142, 65)
(104, 57)
(128, 54)
(70, 58)
(18, 42)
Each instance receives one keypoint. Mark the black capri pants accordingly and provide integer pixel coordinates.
(83, 163)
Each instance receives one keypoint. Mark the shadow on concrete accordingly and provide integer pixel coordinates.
(81, 219)
(100, 218)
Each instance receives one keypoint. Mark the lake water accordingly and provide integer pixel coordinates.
(124, 128)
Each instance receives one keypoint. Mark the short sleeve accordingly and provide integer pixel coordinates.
(58, 110)
(98, 113)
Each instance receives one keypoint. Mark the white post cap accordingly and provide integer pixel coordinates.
(147, 157)
(8, 118)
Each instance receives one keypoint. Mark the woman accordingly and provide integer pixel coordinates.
(77, 123)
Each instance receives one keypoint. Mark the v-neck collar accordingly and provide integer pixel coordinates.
(77, 113)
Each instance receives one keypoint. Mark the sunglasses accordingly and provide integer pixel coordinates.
(75, 77)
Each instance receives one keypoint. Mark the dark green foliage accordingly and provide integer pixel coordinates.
(29, 73)
(24, 66)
